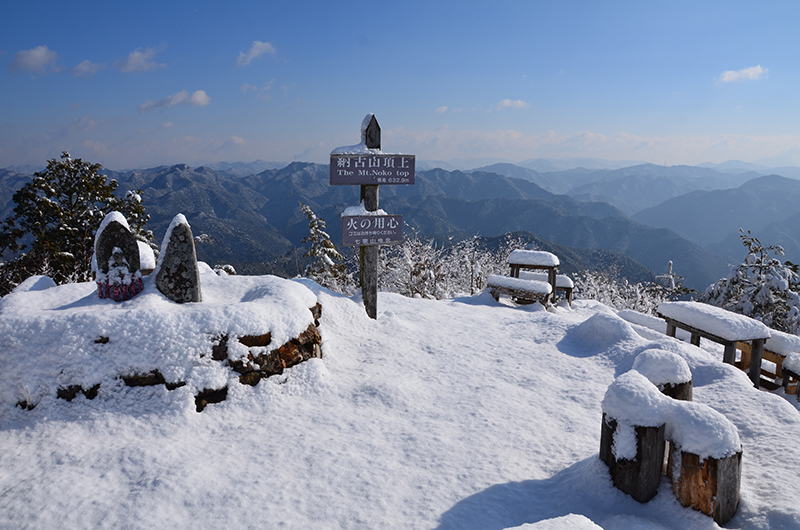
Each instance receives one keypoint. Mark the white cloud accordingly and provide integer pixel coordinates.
(512, 104)
(167, 125)
(198, 98)
(445, 143)
(256, 50)
(35, 60)
(745, 74)
(140, 60)
(86, 69)
(440, 110)
(238, 140)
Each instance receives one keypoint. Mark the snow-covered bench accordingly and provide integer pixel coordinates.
(523, 291)
(791, 373)
(777, 347)
(720, 326)
(536, 260)
(563, 283)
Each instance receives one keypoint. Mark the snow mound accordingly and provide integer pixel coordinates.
(601, 331)
(662, 367)
(35, 283)
(66, 336)
(566, 522)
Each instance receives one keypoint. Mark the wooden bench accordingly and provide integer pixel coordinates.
(521, 290)
(720, 326)
(563, 283)
(536, 260)
(791, 374)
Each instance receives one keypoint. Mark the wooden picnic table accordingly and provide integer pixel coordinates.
(720, 326)
(536, 260)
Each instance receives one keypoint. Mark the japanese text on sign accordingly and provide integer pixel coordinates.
(371, 230)
(372, 169)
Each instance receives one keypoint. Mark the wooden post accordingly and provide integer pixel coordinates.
(695, 340)
(755, 361)
(671, 328)
(729, 356)
(368, 256)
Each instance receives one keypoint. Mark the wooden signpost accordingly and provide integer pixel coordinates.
(365, 165)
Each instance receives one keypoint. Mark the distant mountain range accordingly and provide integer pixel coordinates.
(689, 215)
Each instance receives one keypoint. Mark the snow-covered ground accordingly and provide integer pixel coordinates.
(453, 414)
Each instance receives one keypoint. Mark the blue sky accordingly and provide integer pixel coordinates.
(142, 84)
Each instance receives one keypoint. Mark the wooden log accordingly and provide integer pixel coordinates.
(680, 391)
(639, 477)
(710, 486)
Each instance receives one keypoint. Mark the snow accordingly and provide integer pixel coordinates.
(497, 280)
(792, 363)
(566, 522)
(561, 279)
(147, 259)
(662, 367)
(453, 414)
(533, 257)
(353, 211)
(782, 343)
(714, 320)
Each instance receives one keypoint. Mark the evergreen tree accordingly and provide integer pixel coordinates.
(328, 268)
(761, 287)
(55, 218)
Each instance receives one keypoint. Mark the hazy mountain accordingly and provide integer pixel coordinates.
(737, 166)
(242, 169)
(635, 191)
(10, 181)
(545, 165)
(630, 188)
(711, 217)
(255, 219)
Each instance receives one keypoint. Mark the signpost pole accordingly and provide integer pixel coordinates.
(369, 254)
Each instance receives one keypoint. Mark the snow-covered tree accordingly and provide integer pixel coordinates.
(607, 287)
(421, 267)
(328, 268)
(414, 269)
(762, 287)
(55, 218)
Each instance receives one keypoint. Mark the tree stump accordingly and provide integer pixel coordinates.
(639, 477)
(679, 391)
(710, 486)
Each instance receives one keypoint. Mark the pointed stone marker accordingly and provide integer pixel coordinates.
(117, 255)
(177, 275)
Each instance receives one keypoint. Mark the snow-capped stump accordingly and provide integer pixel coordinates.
(705, 464)
(632, 440)
(177, 275)
(706, 456)
(116, 253)
(668, 371)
